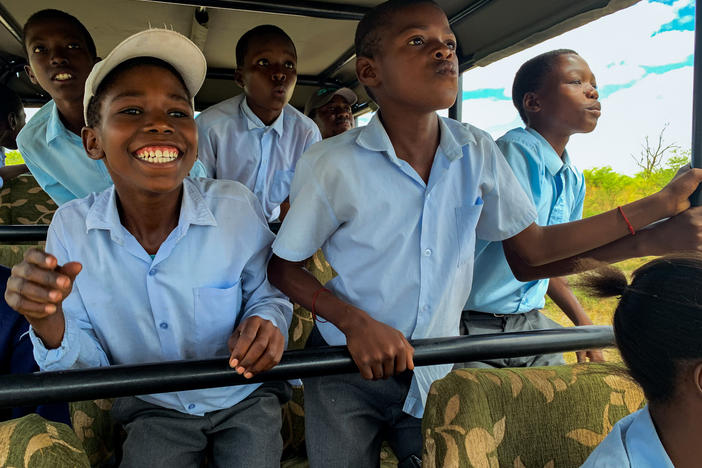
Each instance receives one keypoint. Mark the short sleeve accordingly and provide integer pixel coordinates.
(577, 212)
(517, 158)
(311, 219)
(206, 152)
(507, 209)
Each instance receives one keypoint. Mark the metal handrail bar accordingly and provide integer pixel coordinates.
(124, 380)
(23, 232)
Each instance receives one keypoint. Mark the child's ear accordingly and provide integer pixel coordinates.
(367, 72)
(239, 78)
(30, 74)
(91, 143)
(531, 102)
(12, 121)
(698, 379)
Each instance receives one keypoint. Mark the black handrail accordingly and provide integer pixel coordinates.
(116, 381)
(23, 232)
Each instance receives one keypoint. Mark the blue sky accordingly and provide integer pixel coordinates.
(642, 57)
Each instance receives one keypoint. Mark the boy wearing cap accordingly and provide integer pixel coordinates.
(256, 138)
(174, 268)
(60, 54)
(330, 108)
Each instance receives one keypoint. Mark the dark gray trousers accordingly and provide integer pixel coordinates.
(247, 435)
(347, 418)
(478, 323)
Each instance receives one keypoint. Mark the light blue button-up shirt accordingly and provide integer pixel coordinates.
(403, 249)
(127, 308)
(235, 144)
(632, 443)
(56, 158)
(557, 189)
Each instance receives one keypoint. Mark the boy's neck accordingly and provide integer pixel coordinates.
(679, 429)
(71, 114)
(414, 136)
(150, 219)
(266, 115)
(557, 141)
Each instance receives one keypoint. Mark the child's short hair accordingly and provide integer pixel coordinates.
(530, 77)
(367, 40)
(10, 102)
(93, 110)
(658, 320)
(242, 45)
(51, 14)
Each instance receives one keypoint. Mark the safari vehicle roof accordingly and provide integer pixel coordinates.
(322, 30)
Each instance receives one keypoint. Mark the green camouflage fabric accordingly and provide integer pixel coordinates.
(22, 201)
(538, 417)
(34, 442)
(100, 435)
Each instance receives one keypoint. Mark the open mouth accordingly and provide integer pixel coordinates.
(157, 154)
(62, 77)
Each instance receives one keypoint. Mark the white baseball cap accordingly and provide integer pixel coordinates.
(164, 44)
(324, 95)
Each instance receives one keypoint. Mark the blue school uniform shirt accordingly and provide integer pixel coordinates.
(632, 443)
(206, 278)
(403, 249)
(56, 158)
(557, 190)
(235, 144)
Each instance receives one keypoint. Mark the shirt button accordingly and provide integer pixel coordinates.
(191, 406)
(152, 272)
(427, 252)
(425, 308)
(163, 325)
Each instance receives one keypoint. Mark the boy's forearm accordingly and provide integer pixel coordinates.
(301, 286)
(50, 329)
(560, 293)
(10, 172)
(540, 245)
(621, 249)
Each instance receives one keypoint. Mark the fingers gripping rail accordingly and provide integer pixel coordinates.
(124, 380)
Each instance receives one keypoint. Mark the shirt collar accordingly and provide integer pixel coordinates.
(54, 127)
(644, 445)
(103, 214)
(454, 136)
(553, 162)
(252, 120)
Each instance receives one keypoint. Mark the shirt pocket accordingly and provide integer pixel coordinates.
(467, 217)
(280, 188)
(216, 313)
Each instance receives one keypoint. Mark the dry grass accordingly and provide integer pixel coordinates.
(599, 310)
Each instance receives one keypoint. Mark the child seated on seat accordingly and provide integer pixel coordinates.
(657, 325)
(12, 119)
(160, 267)
(60, 54)
(556, 96)
(256, 137)
(396, 207)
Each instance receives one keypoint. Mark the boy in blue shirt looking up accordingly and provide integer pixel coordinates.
(60, 55)
(556, 96)
(396, 207)
(160, 267)
(256, 137)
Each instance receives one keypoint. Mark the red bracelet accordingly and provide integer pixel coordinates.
(628, 224)
(314, 302)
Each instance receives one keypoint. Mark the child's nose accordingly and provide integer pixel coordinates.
(443, 52)
(278, 76)
(57, 58)
(158, 125)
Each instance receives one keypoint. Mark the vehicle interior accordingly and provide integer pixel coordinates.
(323, 31)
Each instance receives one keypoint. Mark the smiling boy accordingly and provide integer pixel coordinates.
(161, 267)
(556, 96)
(60, 54)
(396, 207)
(256, 138)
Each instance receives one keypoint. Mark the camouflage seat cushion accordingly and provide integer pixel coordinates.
(22, 201)
(34, 442)
(528, 417)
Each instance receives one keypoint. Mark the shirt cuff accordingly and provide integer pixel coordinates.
(59, 358)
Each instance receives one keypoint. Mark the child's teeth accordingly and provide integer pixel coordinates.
(158, 155)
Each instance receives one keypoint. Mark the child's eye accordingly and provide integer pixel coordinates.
(451, 45)
(131, 111)
(416, 41)
(74, 46)
(262, 62)
(289, 65)
(576, 82)
(38, 49)
(178, 114)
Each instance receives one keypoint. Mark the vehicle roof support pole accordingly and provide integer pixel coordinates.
(455, 111)
(696, 198)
